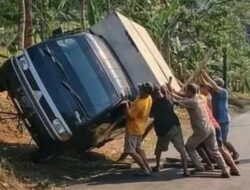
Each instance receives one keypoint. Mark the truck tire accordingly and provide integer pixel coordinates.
(2, 80)
(1, 87)
(40, 156)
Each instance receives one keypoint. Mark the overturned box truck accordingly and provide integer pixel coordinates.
(70, 90)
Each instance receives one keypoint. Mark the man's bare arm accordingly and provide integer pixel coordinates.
(211, 82)
(176, 96)
(171, 89)
(180, 83)
(180, 93)
(181, 101)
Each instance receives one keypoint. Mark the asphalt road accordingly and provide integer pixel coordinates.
(172, 178)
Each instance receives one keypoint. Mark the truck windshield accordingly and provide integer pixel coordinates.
(85, 74)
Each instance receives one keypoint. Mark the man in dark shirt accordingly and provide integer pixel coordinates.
(167, 127)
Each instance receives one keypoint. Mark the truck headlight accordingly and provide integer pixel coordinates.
(24, 63)
(58, 126)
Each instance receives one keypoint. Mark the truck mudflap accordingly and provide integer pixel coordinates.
(134, 49)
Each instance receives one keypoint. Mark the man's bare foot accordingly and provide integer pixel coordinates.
(235, 173)
(225, 175)
(150, 170)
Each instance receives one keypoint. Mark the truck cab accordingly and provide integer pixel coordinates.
(66, 87)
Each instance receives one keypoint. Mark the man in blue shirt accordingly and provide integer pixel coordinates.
(220, 110)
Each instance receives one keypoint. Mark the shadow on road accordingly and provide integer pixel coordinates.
(127, 176)
(123, 177)
(244, 161)
(72, 169)
(66, 170)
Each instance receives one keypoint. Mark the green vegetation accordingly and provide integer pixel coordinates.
(182, 29)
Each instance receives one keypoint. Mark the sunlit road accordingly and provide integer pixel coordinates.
(172, 178)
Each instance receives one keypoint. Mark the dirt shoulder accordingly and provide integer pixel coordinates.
(9, 132)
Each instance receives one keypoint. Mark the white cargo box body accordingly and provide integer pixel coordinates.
(134, 49)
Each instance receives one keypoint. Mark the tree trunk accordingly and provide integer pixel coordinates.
(20, 24)
(27, 24)
(247, 84)
(225, 66)
(165, 48)
(82, 12)
(108, 6)
(164, 2)
(41, 21)
(168, 48)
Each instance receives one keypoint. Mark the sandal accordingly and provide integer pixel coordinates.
(234, 173)
(186, 174)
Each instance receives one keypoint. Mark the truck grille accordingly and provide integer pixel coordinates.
(42, 101)
(31, 80)
(47, 109)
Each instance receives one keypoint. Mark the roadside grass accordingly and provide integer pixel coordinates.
(239, 102)
(8, 180)
(245, 96)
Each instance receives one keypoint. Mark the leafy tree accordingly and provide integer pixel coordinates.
(182, 29)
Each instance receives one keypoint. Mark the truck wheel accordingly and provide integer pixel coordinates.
(39, 156)
(2, 82)
(1, 87)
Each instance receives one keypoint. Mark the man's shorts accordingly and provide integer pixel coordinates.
(174, 136)
(219, 136)
(224, 127)
(132, 142)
